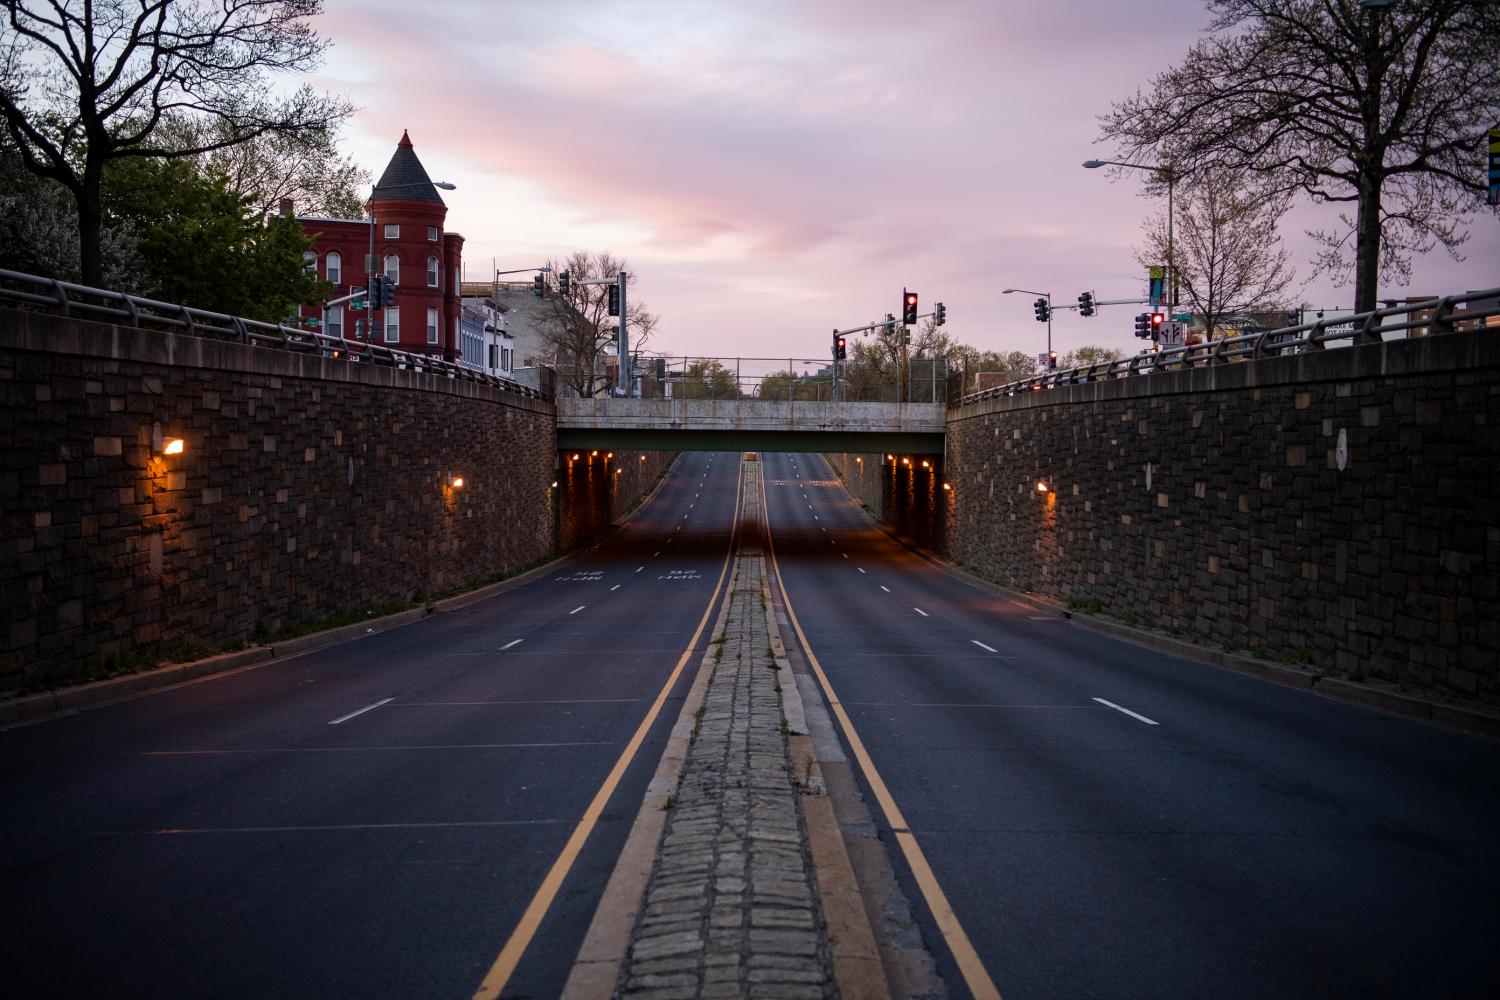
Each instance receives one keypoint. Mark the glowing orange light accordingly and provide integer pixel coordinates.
(577, 457)
(457, 482)
(924, 464)
(610, 455)
(1041, 487)
(593, 453)
(174, 446)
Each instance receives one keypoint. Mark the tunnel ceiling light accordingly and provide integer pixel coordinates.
(577, 457)
(948, 486)
(173, 446)
(925, 465)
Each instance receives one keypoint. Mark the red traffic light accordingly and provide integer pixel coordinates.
(1157, 319)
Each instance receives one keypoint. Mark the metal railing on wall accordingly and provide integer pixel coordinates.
(798, 380)
(1414, 319)
(81, 301)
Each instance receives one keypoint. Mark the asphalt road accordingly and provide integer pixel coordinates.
(1111, 821)
(367, 820)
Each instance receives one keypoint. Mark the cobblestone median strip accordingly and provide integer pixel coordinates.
(732, 906)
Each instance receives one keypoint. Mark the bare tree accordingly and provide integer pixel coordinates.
(1229, 258)
(1384, 109)
(578, 326)
(306, 167)
(83, 84)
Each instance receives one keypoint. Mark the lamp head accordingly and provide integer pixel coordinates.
(1093, 164)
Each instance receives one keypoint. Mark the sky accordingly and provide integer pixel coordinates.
(775, 169)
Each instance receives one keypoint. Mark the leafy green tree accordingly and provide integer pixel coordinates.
(205, 245)
(1088, 354)
(706, 379)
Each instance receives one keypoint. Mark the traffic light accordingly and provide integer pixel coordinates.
(564, 282)
(939, 314)
(1052, 361)
(1157, 319)
(840, 349)
(908, 307)
(1143, 325)
(382, 291)
(614, 300)
(1086, 304)
(1043, 310)
(890, 325)
(538, 286)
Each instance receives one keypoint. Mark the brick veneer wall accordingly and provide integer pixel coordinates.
(309, 489)
(1339, 508)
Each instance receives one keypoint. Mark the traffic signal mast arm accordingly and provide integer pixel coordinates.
(876, 325)
(363, 291)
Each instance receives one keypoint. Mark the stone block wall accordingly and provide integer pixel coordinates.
(1338, 508)
(308, 489)
(597, 488)
(905, 491)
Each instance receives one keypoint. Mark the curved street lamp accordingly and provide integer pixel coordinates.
(370, 271)
(1048, 297)
(1170, 175)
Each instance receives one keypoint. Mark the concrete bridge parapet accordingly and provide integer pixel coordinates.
(749, 424)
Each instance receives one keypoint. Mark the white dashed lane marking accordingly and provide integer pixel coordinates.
(1133, 715)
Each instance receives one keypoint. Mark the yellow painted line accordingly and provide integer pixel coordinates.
(969, 964)
(526, 928)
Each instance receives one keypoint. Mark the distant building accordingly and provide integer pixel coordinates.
(411, 247)
(484, 342)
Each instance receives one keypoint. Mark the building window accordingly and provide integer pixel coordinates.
(310, 263)
(392, 325)
(333, 267)
(392, 232)
(494, 361)
(393, 268)
(432, 272)
(507, 359)
(432, 234)
(432, 326)
(336, 322)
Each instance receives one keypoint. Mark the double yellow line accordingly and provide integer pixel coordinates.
(520, 938)
(969, 965)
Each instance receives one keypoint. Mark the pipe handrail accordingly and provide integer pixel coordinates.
(82, 301)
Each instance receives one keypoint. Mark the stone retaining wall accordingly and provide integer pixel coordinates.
(1337, 508)
(308, 490)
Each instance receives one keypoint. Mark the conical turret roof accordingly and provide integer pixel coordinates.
(404, 178)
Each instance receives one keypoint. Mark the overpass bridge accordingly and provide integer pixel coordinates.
(749, 424)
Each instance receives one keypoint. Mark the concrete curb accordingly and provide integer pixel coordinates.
(606, 945)
(858, 970)
(44, 705)
(1446, 714)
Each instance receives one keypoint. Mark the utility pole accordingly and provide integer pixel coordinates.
(623, 387)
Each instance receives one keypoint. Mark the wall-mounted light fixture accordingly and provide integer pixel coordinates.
(890, 458)
(643, 458)
(906, 461)
(925, 465)
(610, 455)
(554, 484)
(1041, 487)
(455, 482)
(948, 487)
(577, 457)
(172, 446)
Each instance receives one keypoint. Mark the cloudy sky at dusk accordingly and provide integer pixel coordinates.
(777, 169)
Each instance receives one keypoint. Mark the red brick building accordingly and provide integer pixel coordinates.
(411, 247)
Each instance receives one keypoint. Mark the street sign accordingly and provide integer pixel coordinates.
(1495, 166)
(358, 305)
(1183, 317)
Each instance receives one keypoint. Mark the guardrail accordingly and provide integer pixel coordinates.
(920, 380)
(70, 299)
(1434, 316)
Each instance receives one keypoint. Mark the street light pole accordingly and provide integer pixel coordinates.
(370, 269)
(1048, 297)
(1170, 175)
